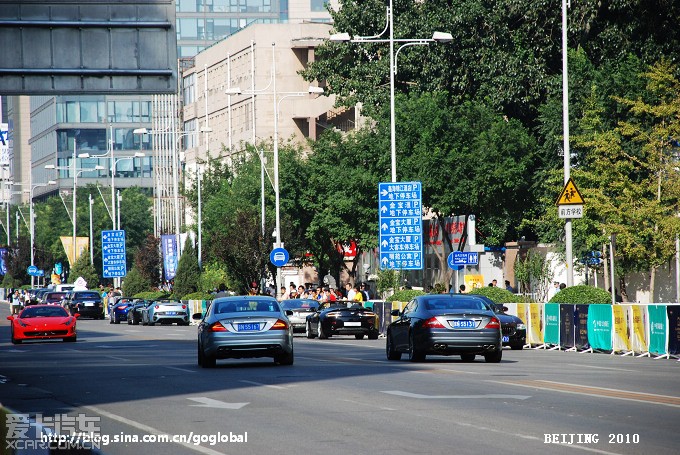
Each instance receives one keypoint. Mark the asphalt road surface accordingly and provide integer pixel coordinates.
(340, 397)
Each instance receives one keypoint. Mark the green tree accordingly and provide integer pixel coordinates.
(188, 272)
(147, 260)
(83, 268)
(134, 283)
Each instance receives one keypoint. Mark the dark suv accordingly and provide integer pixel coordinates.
(87, 303)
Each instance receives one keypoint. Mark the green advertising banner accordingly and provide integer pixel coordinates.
(552, 323)
(600, 327)
(658, 326)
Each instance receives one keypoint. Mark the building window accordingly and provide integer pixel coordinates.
(189, 89)
(318, 5)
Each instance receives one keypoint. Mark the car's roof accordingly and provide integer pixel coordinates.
(235, 298)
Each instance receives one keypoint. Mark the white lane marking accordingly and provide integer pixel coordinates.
(600, 368)
(264, 385)
(211, 403)
(182, 369)
(150, 430)
(463, 397)
(117, 358)
(442, 370)
(323, 360)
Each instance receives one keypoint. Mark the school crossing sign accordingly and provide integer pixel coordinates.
(400, 225)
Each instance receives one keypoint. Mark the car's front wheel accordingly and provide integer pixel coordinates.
(392, 353)
(71, 339)
(517, 347)
(359, 336)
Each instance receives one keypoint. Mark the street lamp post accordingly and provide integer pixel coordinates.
(439, 37)
(31, 216)
(76, 173)
(277, 102)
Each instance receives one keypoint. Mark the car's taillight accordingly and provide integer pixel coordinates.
(184, 307)
(157, 307)
(433, 323)
(122, 307)
(280, 325)
(217, 327)
(333, 314)
(493, 323)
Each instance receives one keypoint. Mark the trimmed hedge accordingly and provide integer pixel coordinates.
(198, 296)
(581, 295)
(152, 295)
(498, 295)
(404, 295)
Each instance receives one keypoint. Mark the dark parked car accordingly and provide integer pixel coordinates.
(446, 324)
(514, 329)
(87, 303)
(134, 315)
(244, 327)
(336, 318)
(119, 311)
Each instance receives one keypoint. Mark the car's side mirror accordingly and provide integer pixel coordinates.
(77, 315)
(197, 316)
(289, 312)
(9, 318)
(395, 313)
(504, 309)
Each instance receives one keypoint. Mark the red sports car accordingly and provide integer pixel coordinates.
(43, 322)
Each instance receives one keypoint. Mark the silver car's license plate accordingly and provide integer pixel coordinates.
(463, 324)
(248, 327)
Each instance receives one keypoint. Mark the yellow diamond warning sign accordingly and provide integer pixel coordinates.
(570, 195)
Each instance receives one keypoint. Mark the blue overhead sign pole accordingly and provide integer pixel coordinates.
(113, 254)
(400, 225)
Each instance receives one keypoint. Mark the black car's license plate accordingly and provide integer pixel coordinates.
(248, 327)
(463, 324)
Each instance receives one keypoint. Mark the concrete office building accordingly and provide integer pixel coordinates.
(246, 60)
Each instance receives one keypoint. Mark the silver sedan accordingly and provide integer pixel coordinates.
(244, 327)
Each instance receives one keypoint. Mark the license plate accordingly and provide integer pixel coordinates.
(506, 339)
(170, 313)
(248, 327)
(352, 324)
(89, 303)
(463, 324)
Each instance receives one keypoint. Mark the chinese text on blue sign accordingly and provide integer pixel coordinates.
(113, 254)
(401, 225)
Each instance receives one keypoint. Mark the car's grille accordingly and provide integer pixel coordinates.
(47, 333)
(508, 330)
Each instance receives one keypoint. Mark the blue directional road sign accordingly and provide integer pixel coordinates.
(462, 258)
(279, 257)
(33, 271)
(401, 225)
(113, 254)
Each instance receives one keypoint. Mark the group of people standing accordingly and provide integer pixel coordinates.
(356, 293)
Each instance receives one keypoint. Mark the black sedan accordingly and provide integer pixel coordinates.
(336, 318)
(446, 324)
(514, 329)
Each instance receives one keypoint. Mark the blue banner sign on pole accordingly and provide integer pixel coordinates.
(114, 254)
(400, 225)
(170, 258)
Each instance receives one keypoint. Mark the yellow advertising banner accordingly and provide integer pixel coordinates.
(621, 335)
(522, 312)
(639, 335)
(82, 244)
(473, 282)
(535, 334)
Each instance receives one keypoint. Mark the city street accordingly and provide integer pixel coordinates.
(341, 397)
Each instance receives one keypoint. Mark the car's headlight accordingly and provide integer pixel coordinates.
(69, 322)
(521, 326)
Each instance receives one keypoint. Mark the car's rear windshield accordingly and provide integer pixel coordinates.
(245, 306)
(299, 303)
(43, 312)
(446, 304)
(55, 295)
(87, 295)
